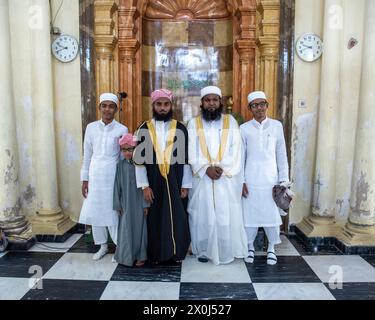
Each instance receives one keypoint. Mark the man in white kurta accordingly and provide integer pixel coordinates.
(215, 211)
(100, 156)
(265, 165)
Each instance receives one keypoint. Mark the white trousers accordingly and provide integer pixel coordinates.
(100, 234)
(273, 234)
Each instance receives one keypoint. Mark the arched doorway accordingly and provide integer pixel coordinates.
(127, 31)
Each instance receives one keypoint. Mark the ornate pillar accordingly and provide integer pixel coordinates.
(321, 223)
(12, 220)
(360, 228)
(246, 48)
(131, 114)
(49, 218)
(269, 42)
(105, 42)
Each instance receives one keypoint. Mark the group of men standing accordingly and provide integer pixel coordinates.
(208, 185)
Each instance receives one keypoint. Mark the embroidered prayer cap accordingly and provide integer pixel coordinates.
(211, 90)
(128, 139)
(108, 97)
(256, 95)
(161, 93)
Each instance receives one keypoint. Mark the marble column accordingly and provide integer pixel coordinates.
(245, 46)
(360, 228)
(88, 89)
(130, 115)
(12, 219)
(105, 42)
(321, 222)
(49, 218)
(269, 42)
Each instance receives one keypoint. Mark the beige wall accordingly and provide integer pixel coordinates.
(24, 17)
(347, 20)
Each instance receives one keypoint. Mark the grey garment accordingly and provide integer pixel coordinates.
(132, 229)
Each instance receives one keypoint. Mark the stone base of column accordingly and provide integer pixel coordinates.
(21, 242)
(356, 235)
(52, 225)
(317, 226)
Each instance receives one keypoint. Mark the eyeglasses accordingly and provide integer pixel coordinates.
(127, 149)
(260, 104)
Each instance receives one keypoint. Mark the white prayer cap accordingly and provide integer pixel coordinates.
(211, 90)
(256, 95)
(108, 97)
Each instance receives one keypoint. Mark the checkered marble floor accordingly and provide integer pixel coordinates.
(50, 271)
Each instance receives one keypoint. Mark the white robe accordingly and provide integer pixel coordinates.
(215, 211)
(101, 154)
(265, 164)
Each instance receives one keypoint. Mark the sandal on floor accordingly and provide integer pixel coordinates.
(271, 258)
(250, 256)
(139, 263)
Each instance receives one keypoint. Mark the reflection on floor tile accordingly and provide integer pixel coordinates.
(157, 273)
(349, 268)
(306, 251)
(292, 291)
(56, 247)
(353, 291)
(195, 271)
(13, 288)
(52, 289)
(81, 266)
(133, 290)
(217, 291)
(21, 264)
(287, 269)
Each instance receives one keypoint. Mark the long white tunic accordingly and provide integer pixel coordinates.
(161, 128)
(215, 211)
(101, 154)
(265, 164)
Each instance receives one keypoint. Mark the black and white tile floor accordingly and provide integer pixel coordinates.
(68, 272)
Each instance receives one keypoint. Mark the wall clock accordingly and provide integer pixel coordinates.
(309, 47)
(65, 48)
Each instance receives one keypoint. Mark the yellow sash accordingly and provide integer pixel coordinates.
(163, 158)
(203, 143)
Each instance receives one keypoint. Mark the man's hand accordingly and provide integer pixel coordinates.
(184, 193)
(214, 172)
(148, 195)
(85, 188)
(245, 192)
(145, 211)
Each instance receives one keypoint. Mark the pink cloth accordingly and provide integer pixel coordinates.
(128, 139)
(161, 93)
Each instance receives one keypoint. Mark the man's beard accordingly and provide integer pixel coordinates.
(162, 117)
(212, 115)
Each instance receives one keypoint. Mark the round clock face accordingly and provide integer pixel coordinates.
(65, 48)
(309, 47)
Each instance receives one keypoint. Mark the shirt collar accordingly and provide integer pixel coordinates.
(110, 125)
(258, 125)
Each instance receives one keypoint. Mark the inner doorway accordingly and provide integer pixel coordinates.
(184, 56)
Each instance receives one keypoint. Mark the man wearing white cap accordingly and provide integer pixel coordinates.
(265, 165)
(100, 156)
(215, 211)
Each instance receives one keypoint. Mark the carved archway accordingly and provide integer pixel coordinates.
(255, 54)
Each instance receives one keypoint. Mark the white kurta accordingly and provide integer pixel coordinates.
(265, 164)
(101, 154)
(161, 128)
(215, 211)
